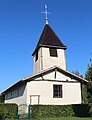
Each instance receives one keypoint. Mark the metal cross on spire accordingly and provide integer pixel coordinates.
(46, 13)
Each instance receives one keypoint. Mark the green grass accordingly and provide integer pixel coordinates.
(67, 118)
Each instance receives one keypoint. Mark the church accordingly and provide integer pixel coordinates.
(51, 83)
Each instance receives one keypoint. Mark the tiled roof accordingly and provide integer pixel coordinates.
(48, 38)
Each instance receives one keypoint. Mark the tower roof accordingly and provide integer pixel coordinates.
(48, 38)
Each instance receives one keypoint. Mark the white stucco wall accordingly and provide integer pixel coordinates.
(37, 64)
(71, 93)
(17, 95)
(59, 76)
(43, 90)
(49, 61)
(71, 90)
(46, 61)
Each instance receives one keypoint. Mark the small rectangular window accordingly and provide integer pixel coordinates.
(36, 56)
(6, 96)
(57, 91)
(53, 52)
(11, 93)
(18, 91)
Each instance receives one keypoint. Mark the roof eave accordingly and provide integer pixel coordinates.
(16, 84)
(49, 46)
(72, 76)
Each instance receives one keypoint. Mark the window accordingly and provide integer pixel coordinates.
(18, 91)
(11, 93)
(53, 52)
(6, 96)
(36, 56)
(57, 91)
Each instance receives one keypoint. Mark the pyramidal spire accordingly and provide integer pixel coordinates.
(46, 14)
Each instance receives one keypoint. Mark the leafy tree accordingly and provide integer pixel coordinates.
(76, 72)
(88, 76)
(84, 94)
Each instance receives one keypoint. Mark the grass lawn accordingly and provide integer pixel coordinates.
(67, 118)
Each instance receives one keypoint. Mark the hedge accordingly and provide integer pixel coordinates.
(46, 111)
(82, 110)
(8, 111)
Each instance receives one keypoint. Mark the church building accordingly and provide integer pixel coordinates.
(51, 83)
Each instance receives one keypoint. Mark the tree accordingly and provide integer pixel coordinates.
(88, 76)
(76, 72)
(84, 93)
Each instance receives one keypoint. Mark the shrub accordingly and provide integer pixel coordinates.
(43, 111)
(81, 110)
(46, 111)
(8, 111)
(90, 111)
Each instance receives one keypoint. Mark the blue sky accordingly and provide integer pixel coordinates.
(21, 24)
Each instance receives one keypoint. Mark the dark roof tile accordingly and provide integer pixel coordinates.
(48, 38)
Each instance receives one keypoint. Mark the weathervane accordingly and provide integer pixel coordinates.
(46, 13)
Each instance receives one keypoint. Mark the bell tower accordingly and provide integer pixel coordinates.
(49, 52)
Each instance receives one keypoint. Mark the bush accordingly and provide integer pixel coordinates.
(90, 111)
(46, 111)
(43, 111)
(8, 111)
(81, 110)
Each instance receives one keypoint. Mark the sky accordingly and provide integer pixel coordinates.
(21, 24)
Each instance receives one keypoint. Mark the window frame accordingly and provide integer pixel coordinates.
(18, 92)
(57, 91)
(11, 93)
(53, 52)
(36, 56)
